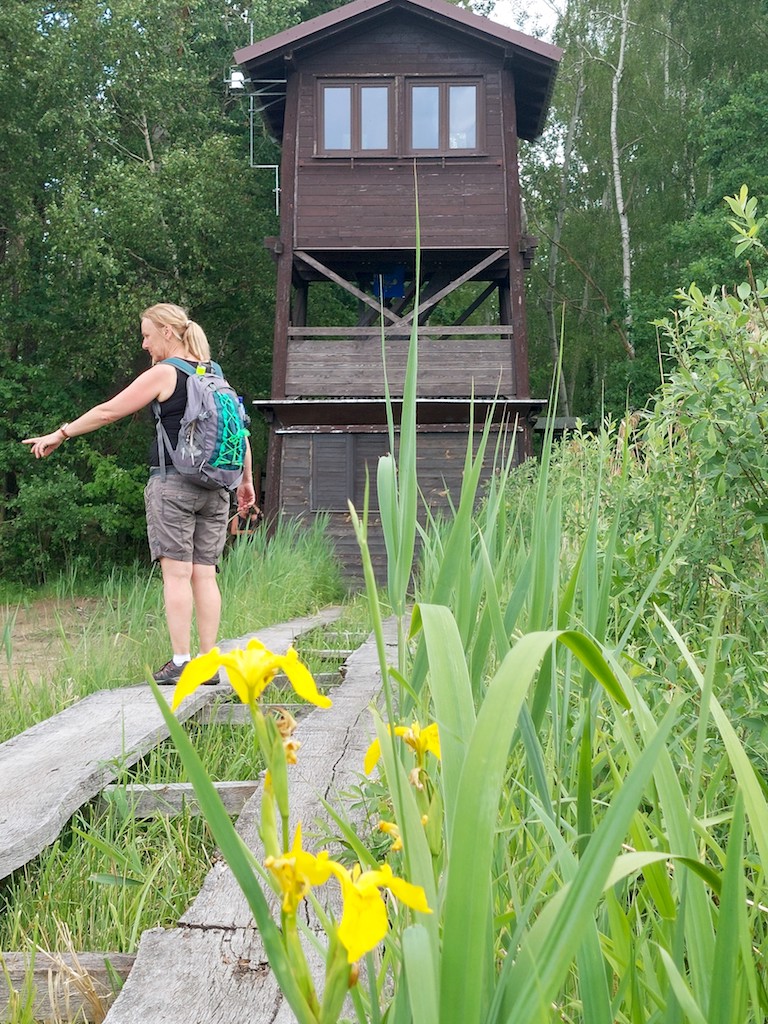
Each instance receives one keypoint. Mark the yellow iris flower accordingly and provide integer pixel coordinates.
(389, 828)
(298, 871)
(250, 671)
(419, 740)
(364, 919)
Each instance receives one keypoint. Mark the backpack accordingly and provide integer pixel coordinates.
(212, 436)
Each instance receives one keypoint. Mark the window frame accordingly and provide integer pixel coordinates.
(400, 115)
(356, 85)
(444, 86)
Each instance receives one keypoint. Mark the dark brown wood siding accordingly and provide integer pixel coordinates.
(369, 202)
(345, 368)
(440, 467)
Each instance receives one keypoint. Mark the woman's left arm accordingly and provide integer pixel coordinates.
(246, 495)
(157, 382)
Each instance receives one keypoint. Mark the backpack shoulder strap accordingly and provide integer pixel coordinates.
(184, 366)
(180, 364)
(163, 441)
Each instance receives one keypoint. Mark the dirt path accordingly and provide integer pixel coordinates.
(33, 638)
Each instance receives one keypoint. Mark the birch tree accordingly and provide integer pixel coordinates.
(618, 183)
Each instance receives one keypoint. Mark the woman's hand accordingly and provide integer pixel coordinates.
(246, 496)
(45, 445)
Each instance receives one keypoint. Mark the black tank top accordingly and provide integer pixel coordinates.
(171, 411)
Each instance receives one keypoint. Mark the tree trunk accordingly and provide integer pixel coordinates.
(618, 188)
(554, 249)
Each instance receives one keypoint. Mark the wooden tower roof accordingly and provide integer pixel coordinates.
(533, 62)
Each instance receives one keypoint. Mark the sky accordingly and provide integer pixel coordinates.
(527, 15)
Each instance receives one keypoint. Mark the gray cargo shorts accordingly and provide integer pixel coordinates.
(184, 522)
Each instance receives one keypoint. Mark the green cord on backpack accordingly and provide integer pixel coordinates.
(212, 437)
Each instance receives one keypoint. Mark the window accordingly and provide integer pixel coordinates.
(333, 473)
(443, 117)
(356, 117)
(341, 464)
(399, 116)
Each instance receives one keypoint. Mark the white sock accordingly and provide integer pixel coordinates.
(181, 659)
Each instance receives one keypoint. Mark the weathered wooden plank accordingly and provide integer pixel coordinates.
(352, 367)
(58, 765)
(212, 968)
(199, 976)
(62, 985)
(55, 767)
(165, 799)
(232, 713)
(280, 637)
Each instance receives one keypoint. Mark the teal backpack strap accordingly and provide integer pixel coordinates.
(180, 364)
(184, 366)
(163, 441)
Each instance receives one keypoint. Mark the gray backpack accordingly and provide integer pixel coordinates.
(212, 437)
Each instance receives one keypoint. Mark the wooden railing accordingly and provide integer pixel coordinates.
(346, 362)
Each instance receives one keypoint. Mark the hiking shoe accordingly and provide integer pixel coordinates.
(168, 675)
(213, 681)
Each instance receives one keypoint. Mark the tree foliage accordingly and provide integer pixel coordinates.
(124, 180)
(690, 130)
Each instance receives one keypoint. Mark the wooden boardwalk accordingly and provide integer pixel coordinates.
(212, 967)
(52, 769)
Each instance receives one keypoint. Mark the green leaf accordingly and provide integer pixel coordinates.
(421, 973)
(119, 881)
(238, 857)
(691, 1009)
(467, 907)
(731, 927)
(452, 697)
(546, 953)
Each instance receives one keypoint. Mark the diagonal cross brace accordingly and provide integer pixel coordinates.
(467, 276)
(347, 285)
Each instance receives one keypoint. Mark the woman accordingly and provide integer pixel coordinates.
(186, 524)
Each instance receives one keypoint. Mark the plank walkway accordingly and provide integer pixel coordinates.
(52, 769)
(212, 968)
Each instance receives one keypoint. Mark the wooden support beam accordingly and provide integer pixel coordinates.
(62, 986)
(381, 310)
(462, 279)
(433, 287)
(164, 800)
(476, 304)
(397, 308)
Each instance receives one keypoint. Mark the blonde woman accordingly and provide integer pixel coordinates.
(186, 524)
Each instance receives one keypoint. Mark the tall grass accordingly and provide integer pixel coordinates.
(109, 876)
(599, 856)
(264, 579)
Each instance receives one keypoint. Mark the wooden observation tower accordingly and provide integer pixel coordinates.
(370, 103)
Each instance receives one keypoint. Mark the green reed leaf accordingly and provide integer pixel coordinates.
(239, 858)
